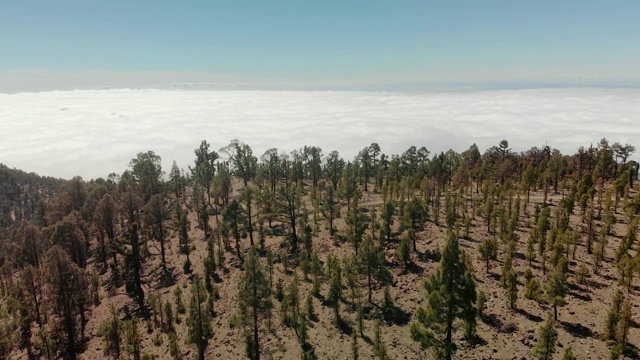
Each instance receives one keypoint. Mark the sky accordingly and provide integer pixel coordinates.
(85, 85)
(64, 44)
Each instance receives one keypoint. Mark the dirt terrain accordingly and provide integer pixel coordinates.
(504, 333)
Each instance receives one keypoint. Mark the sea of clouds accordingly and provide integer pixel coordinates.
(92, 133)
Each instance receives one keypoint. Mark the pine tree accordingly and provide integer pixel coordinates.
(372, 265)
(133, 262)
(488, 251)
(44, 342)
(156, 214)
(413, 218)
(198, 321)
(545, 347)
(254, 296)
(511, 283)
(209, 266)
(331, 208)
(622, 329)
(360, 318)
(292, 298)
(387, 221)
(105, 220)
(309, 307)
(31, 290)
(357, 221)
(132, 338)
(290, 203)
(351, 272)
(507, 267)
(95, 288)
(67, 294)
(302, 330)
(174, 348)
(451, 295)
(467, 226)
(183, 235)
(531, 251)
(204, 170)
(168, 316)
(347, 184)
(403, 252)
(617, 323)
(354, 345)
(246, 197)
(568, 354)
(532, 289)
(556, 289)
(177, 293)
(111, 331)
(233, 218)
(335, 287)
(481, 300)
(316, 270)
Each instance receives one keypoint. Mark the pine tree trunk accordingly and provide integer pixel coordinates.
(236, 235)
(369, 283)
(256, 340)
(250, 224)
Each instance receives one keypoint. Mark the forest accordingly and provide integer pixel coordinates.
(306, 255)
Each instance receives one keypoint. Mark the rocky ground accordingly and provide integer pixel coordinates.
(504, 333)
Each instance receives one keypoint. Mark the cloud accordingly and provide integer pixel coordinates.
(95, 132)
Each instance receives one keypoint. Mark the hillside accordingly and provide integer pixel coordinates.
(21, 193)
(541, 210)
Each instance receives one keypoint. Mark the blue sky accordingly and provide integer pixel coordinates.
(89, 42)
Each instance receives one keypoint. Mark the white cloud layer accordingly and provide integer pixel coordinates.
(95, 132)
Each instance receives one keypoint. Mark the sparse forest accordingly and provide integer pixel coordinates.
(308, 255)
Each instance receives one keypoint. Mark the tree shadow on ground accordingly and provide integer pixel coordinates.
(320, 298)
(577, 329)
(529, 315)
(575, 287)
(167, 278)
(276, 230)
(491, 320)
(476, 341)
(412, 268)
(429, 255)
(140, 312)
(579, 296)
(390, 314)
(396, 315)
(535, 266)
(216, 278)
(470, 239)
(345, 327)
(309, 350)
(630, 351)
(597, 285)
